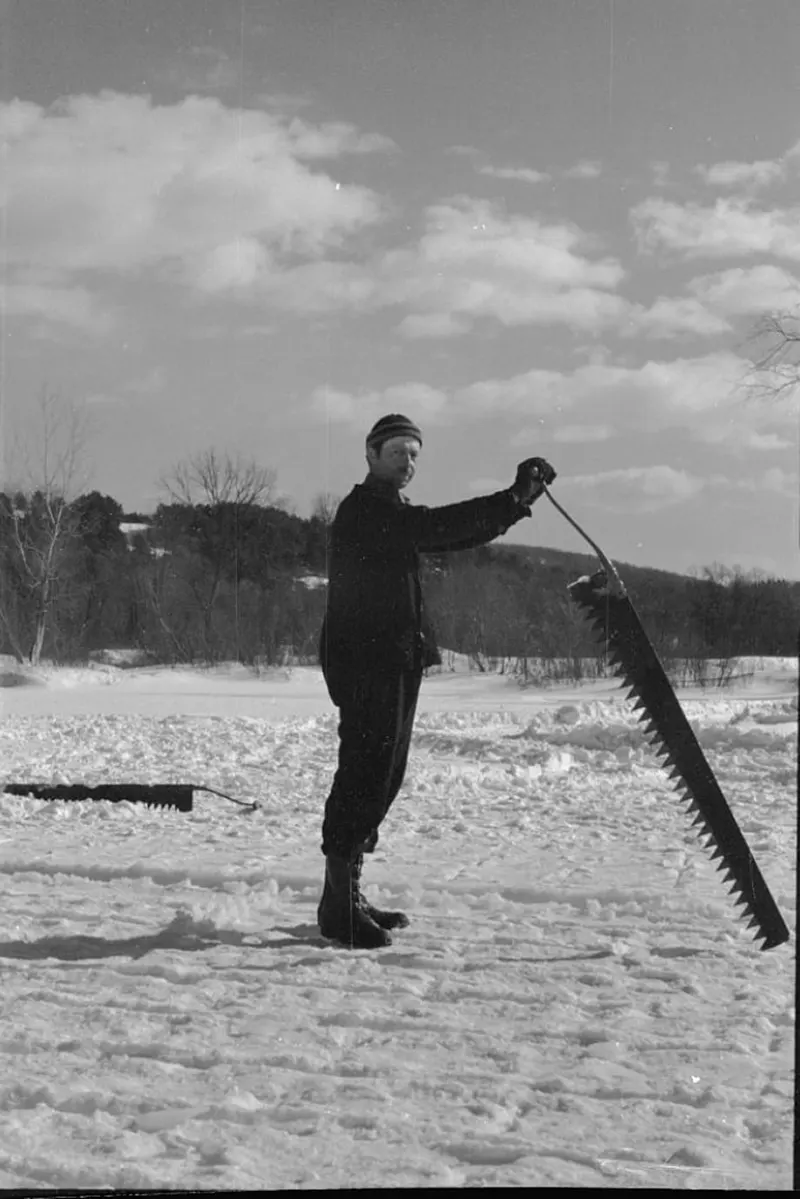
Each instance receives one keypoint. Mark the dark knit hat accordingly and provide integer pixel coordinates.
(393, 425)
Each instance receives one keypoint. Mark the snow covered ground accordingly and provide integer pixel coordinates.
(574, 1004)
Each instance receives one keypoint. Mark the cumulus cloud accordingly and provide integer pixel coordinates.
(774, 480)
(661, 172)
(73, 306)
(582, 433)
(640, 488)
(671, 316)
(748, 175)
(117, 183)
(474, 261)
(237, 201)
(714, 298)
(432, 324)
(744, 290)
(586, 168)
(418, 401)
(729, 227)
(316, 288)
(203, 69)
(521, 174)
(702, 395)
(781, 482)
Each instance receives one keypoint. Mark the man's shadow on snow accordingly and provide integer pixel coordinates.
(81, 947)
(194, 938)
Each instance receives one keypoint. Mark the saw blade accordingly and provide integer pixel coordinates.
(634, 660)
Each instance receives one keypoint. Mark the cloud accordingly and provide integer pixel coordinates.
(432, 324)
(748, 175)
(661, 172)
(202, 69)
(702, 395)
(235, 201)
(149, 384)
(317, 288)
(419, 401)
(579, 433)
(236, 264)
(523, 174)
(781, 482)
(586, 168)
(730, 227)
(116, 183)
(640, 488)
(744, 290)
(334, 138)
(737, 291)
(475, 262)
(472, 262)
(774, 480)
(671, 316)
(63, 304)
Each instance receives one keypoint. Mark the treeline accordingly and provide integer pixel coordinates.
(229, 580)
(511, 602)
(203, 582)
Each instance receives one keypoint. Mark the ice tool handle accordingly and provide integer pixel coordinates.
(614, 619)
(614, 581)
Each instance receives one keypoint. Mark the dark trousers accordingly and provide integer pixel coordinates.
(376, 718)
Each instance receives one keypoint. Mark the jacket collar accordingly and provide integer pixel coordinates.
(382, 488)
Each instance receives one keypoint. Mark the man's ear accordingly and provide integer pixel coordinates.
(372, 454)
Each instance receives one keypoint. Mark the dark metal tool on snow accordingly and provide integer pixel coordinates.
(157, 795)
(603, 599)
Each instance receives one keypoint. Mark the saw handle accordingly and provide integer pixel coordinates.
(613, 576)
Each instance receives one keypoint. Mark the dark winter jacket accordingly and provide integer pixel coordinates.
(375, 616)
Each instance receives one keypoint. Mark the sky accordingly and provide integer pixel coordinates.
(536, 227)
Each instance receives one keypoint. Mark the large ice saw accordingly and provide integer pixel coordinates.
(603, 599)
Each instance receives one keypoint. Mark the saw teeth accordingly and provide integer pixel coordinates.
(633, 659)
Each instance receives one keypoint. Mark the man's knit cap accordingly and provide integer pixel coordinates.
(393, 425)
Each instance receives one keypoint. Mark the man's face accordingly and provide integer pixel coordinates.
(396, 462)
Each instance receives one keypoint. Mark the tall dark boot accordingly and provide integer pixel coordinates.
(340, 915)
(381, 918)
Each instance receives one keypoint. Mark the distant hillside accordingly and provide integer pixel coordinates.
(569, 562)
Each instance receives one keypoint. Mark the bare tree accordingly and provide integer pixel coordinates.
(776, 364)
(38, 529)
(208, 478)
(228, 488)
(324, 508)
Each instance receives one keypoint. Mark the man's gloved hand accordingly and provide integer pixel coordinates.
(531, 474)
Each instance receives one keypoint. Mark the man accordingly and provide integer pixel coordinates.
(376, 641)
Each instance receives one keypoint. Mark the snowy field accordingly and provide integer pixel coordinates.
(575, 1002)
